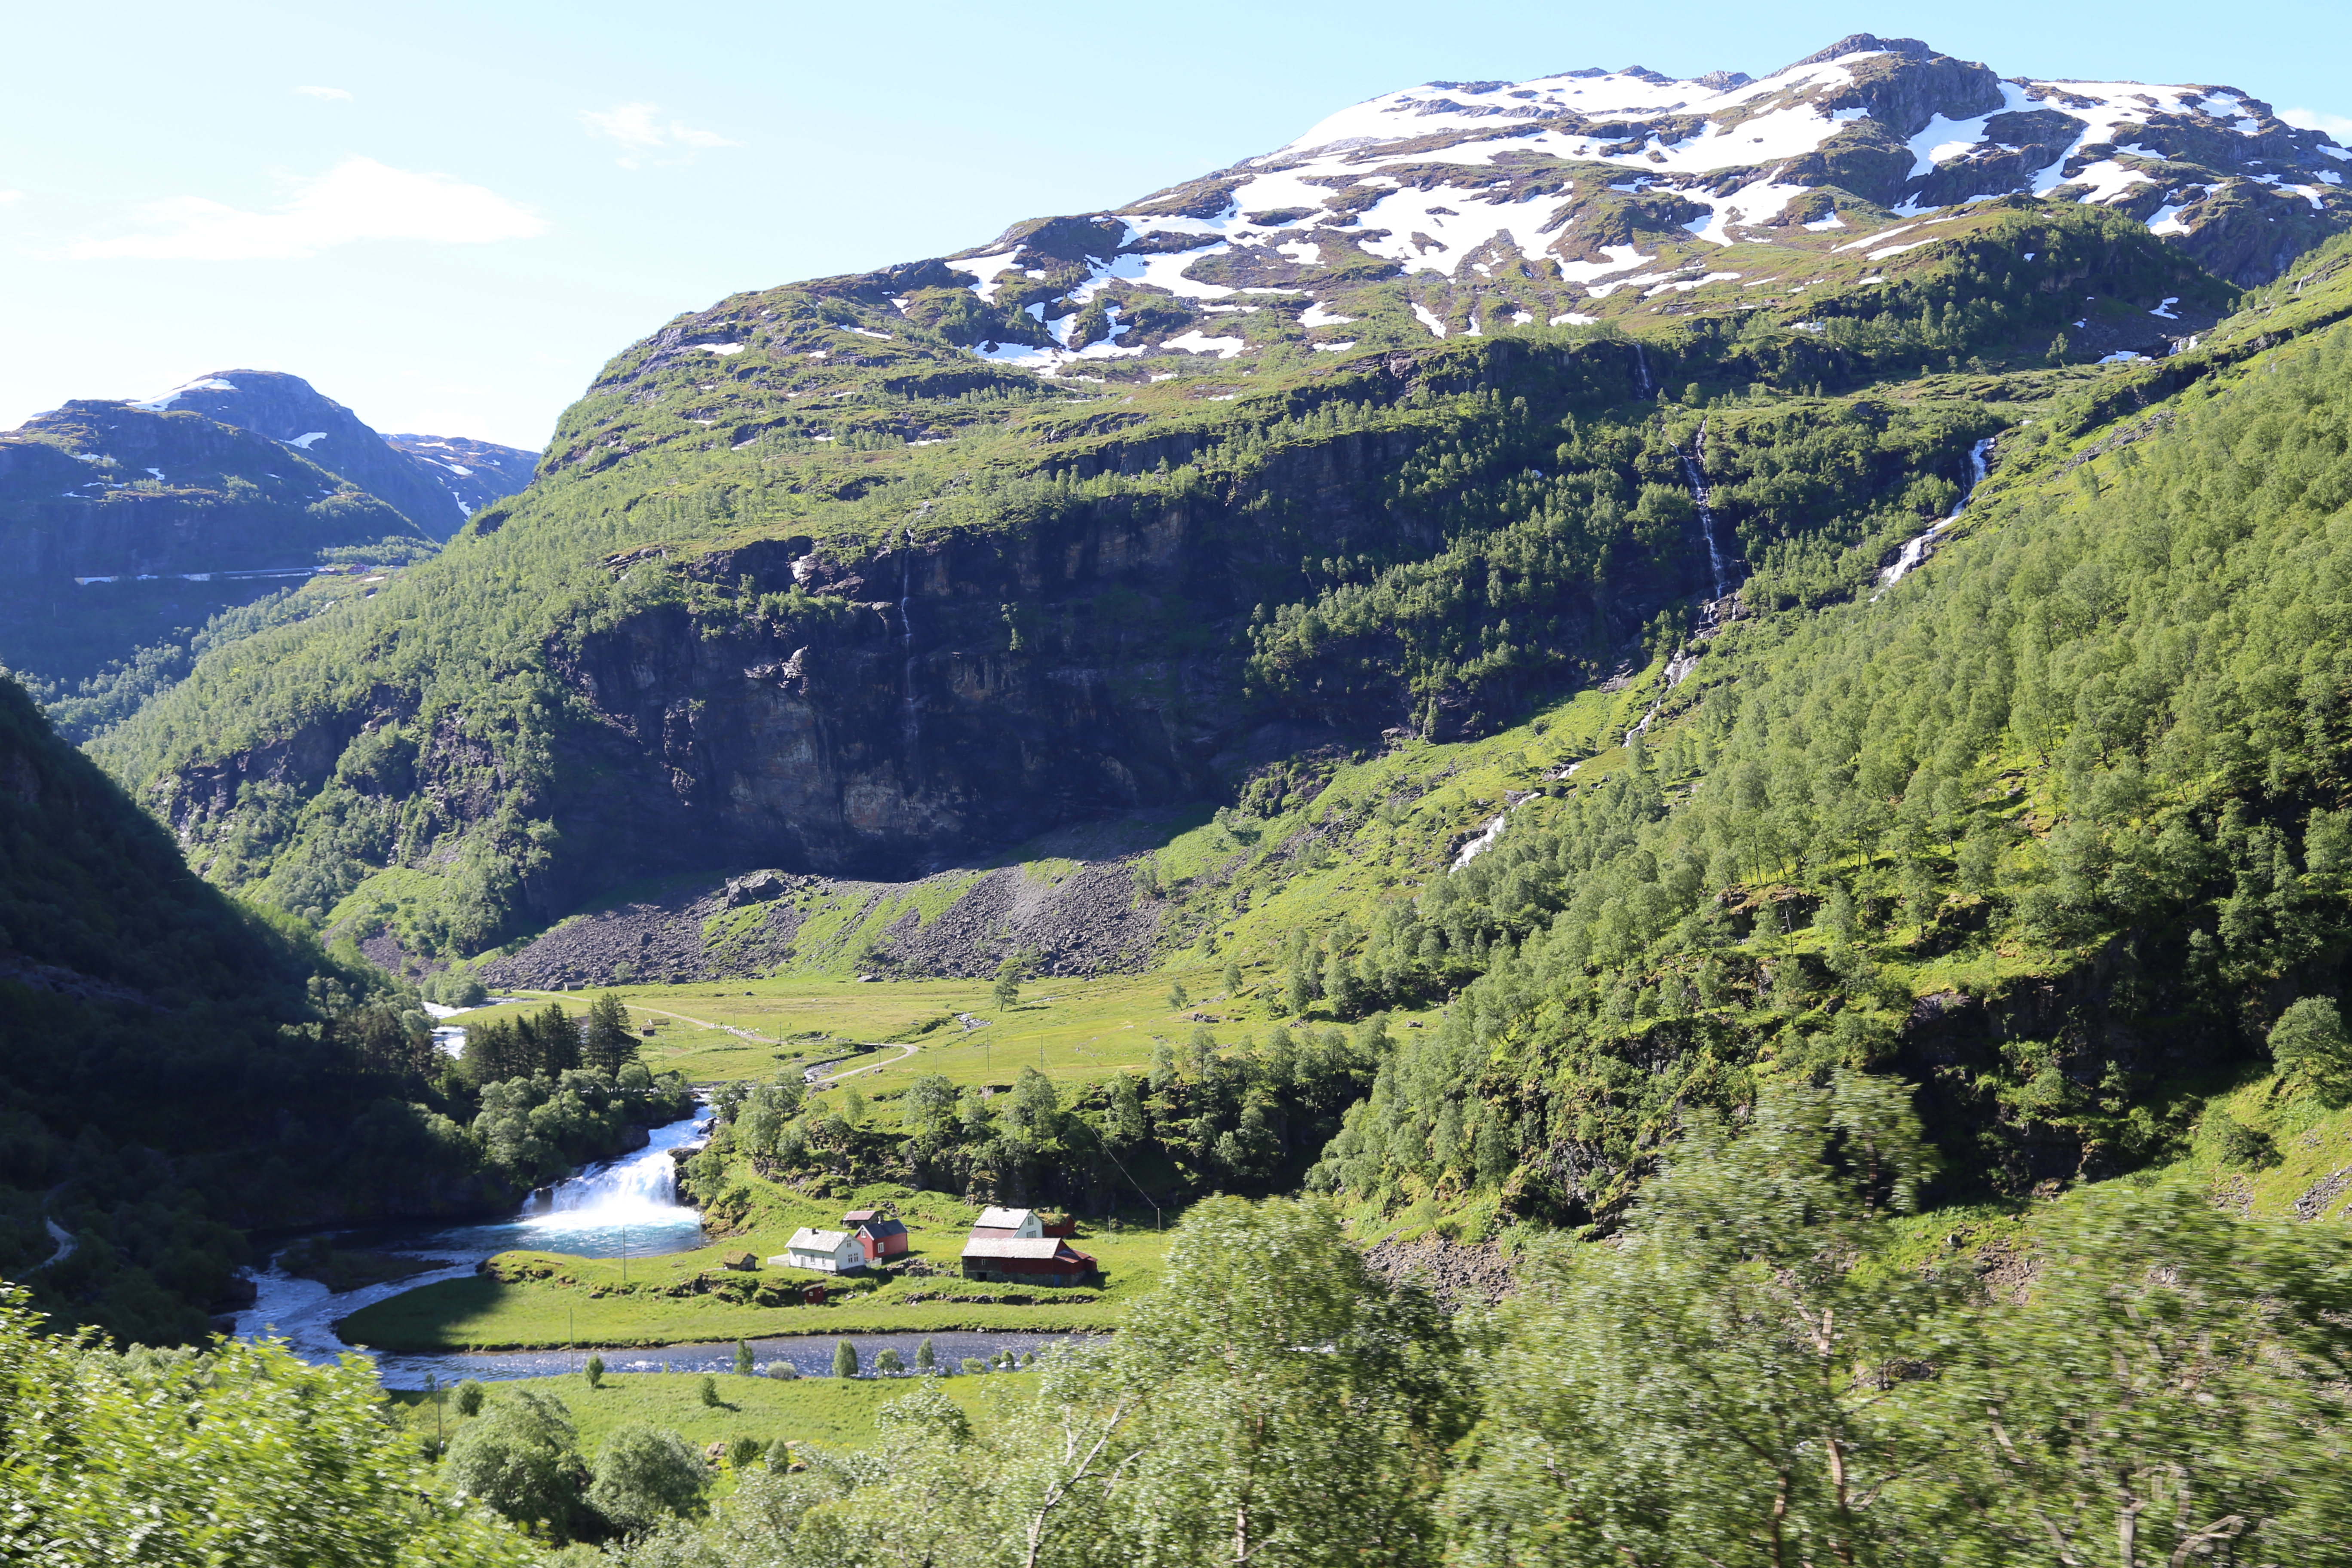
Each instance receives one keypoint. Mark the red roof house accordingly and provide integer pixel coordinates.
(880, 1234)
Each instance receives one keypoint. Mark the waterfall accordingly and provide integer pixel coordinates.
(1914, 549)
(1692, 472)
(1642, 382)
(639, 1190)
(1486, 837)
(1679, 670)
(913, 723)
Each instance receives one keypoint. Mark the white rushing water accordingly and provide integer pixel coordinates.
(913, 718)
(1696, 475)
(639, 1189)
(1914, 549)
(625, 1206)
(1486, 837)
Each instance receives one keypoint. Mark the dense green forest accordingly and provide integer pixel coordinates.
(179, 1068)
(2087, 775)
(1205, 1118)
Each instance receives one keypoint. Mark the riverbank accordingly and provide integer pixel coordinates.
(484, 1314)
(528, 1300)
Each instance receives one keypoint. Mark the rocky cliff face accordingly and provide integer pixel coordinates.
(949, 692)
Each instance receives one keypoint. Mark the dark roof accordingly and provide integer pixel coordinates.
(878, 1228)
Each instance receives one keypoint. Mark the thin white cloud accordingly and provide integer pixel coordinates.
(2339, 126)
(357, 199)
(324, 92)
(8, 197)
(639, 128)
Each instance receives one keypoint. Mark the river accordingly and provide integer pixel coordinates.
(620, 1206)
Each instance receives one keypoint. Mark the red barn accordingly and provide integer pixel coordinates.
(880, 1234)
(1025, 1260)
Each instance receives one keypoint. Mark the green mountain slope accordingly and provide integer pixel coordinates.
(813, 580)
(177, 1070)
(2055, 827)
(849, 645)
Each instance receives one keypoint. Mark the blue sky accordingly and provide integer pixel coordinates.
(448, 216)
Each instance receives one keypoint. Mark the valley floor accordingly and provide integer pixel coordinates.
(534, 1299)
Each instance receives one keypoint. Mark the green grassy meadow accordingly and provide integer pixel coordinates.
(828, 1412)
(530, 1300)
(1073, 1030)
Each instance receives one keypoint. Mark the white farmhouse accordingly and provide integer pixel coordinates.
(1009, 1224)
(828, 1251)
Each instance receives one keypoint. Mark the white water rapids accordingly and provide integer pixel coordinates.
(1694, 472)
(625, 1206)
(1914, 549)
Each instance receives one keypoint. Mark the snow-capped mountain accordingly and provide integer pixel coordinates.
(475, 473)
(290, 411)
(1583, 194)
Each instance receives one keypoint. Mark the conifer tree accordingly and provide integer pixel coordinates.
(608, 1044)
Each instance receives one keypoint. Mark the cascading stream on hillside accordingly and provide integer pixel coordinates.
(913, 721)
(1684, 660)
(1914, 549)
(1694, 472)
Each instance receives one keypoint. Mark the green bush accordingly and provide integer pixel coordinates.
(2311, 1049)
(845, 1360)
(521, 1458)
(2234, 1143)
(236, 1454)
(644, 1475)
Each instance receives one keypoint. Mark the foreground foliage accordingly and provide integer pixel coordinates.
(1765, 1369)
(1758, 1372)
(239, 1455)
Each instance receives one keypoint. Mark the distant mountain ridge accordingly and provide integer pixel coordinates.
(475, 473)
(123, 522)
(396, 470)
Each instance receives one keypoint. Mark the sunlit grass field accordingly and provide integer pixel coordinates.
(1071, 1031)
(549, 1299)
(828, 1412)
